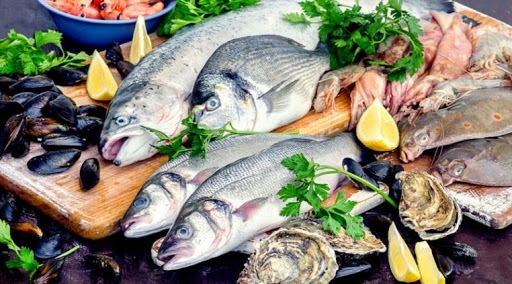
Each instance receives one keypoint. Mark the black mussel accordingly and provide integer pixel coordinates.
(5, 82)
(444, 264)
(57, 141)
(355, 168)
(8, 109)
(377, 223)
(105, 266)
(27, 228)
(37, 128)
(124, 68)
(114, 53)
(89, 128)
(54, 162)
(38, 105)
(49, 247)
(92, 110)
(456, 250)
(63, 76)
(63, 108)
(395, 190)
(9, 210)
(20, 147)
(349, 269)
(379, 170)
(36, 84)
(89, 173)
(49, 272)
(22, 97)
(12, 129)
(56, 89)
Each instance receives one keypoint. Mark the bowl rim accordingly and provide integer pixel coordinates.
(164, 11)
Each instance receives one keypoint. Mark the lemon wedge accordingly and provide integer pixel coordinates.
(100, 84)
(430, 274)
(401, 262)
(377, 129)
(141, 43)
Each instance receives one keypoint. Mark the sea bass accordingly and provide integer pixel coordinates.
(240, 200)
(486, 161)
(159, 200)
(481, 113)
(156, 93)
(258, 83)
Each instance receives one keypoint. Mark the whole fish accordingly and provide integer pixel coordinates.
(258, 83)
(486, 161)
(240, 200)
(482, 113)
(156, 92)
(160, 199)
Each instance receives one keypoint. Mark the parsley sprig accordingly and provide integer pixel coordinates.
(198, 138)
(305, 189)
(352, 35)
(24, 256)
(188, 12)
(24, 55)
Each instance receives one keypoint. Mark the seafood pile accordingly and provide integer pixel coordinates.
(34, 110)
(108, 9)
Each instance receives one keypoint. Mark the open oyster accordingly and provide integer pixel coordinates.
(426, 208)
(302, 252)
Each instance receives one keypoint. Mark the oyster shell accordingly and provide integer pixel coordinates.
(425, 207)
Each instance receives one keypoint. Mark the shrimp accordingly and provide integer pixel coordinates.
(72, 7)
(129, 9)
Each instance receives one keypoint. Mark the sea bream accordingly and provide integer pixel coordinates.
(481, 113)
(486, 161)
(240, 200)
(156, 93)
(160, 199)
(258, 83)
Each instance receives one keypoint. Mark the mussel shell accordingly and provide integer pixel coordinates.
(38, 105)
(63, 108)
(22, 97)
(444, 264)
(49, 247)
(89, 128)
(105, 265)
(9, 210)
(54, 161)
(63, 76)
(5, 82)
(35, 84)
(89, 173)
(39, 127)
(57, 141)
(114, 53)
(8, 109)
(355, 168)
(92, 110)
(27, 228)
(349, 269)
(456, 250)
(49, 272)
(124, 68)
(379, 170)
(12, 129)
(20, 147)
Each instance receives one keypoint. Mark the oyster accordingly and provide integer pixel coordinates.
(302, 252)
(425, 207)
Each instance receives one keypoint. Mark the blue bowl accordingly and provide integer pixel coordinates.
(100, 34)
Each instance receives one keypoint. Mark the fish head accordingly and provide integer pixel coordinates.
(417, 137)
(155, 206)
(123, 139)
(453, 164)
(201, 230)
(219, 98)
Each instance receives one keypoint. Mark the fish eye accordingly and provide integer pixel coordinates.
(213, 103)
(457, 169)
(421, 138)
(141, 202)
(183, 232)
(122, 120)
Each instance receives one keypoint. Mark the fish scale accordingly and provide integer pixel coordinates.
(482, 113)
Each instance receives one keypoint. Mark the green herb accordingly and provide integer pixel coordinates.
(352, 35)
(24, 256)
(198, 135)
(20, 54)
(306, 189)
(189, 12)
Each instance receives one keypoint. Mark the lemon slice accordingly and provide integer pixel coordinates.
(141, 43)
(401, 262)
(377, 129)
(427, 265)
(100, 83)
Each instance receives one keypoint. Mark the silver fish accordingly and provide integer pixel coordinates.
(482, 113)
(479, 161)
(240, 200)
(160, 199)
(258, 83)
(155, 94)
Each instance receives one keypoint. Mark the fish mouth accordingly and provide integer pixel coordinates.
(109, 148)
(125, 149)
(408, 154)
(131, 226)
(174, 259)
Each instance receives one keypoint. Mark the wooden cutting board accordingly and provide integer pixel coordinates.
(95, 214)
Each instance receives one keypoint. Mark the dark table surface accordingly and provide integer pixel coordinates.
(493, 265)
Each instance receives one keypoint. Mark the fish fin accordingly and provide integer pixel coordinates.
(250, 207)
(278, 97)
(200, 177)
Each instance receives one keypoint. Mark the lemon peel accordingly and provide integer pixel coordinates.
(377, 129)
(100, 84)
(141, 43)
(401, 261)
(430, 274)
